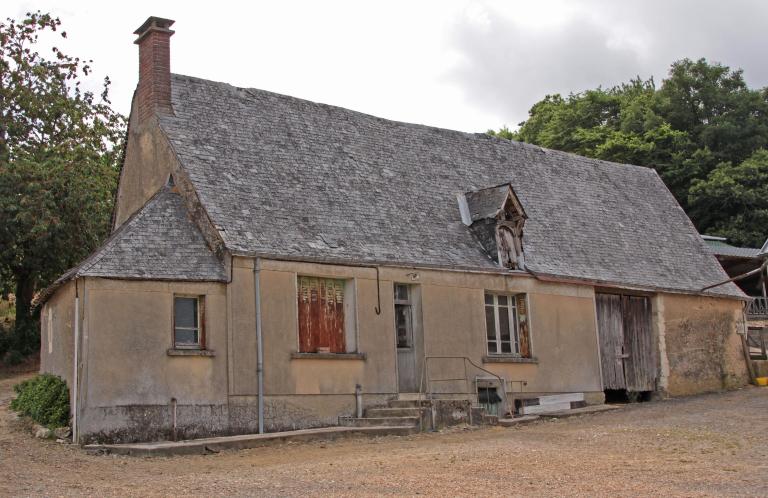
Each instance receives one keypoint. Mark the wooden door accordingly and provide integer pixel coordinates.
(627, 350)
(610, 328)
(640, 362)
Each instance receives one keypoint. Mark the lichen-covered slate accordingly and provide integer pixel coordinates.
(286, 177)
(159, 242)
(486, 203)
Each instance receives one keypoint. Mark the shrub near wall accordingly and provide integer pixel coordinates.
(45, 399)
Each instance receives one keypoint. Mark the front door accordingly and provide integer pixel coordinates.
(408, 338)
(627, 351)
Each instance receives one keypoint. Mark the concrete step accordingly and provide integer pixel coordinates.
(561, 398)
(410, 396)
(511, 422)
(406, 403)
(394, 412)
(582, 411)
(379, 421)
(216, 444)
(548, 408)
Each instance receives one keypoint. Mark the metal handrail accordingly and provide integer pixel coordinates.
(758, 307)
(465, 360)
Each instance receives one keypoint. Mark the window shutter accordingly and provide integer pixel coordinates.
(321, 314)
(522, 318)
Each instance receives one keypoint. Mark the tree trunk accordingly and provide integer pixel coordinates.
(26, 328)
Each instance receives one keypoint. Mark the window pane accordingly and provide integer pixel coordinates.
(492, 347)
(186, 337)
(489, 299)
(403, 325)
(506, 347)
(504, 323)
(490, 323)
(185, 310)
(502, 300)
(401, 292)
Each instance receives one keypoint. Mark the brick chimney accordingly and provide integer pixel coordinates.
(154, 91)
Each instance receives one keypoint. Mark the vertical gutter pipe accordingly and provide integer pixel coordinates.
(259, 342)
(75, 428)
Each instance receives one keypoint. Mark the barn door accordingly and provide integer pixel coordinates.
(640, 362)
(627, 352)
(610, 328)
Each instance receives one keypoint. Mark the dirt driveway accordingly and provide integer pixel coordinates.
(701, 446)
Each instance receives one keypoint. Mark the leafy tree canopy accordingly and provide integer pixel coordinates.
(703, 130)
(59, 154)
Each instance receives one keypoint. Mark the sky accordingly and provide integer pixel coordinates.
(465, 65)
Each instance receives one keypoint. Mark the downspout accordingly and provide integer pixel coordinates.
(259, 341)
(75, 431)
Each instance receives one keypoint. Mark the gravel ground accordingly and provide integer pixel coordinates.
(709, 445)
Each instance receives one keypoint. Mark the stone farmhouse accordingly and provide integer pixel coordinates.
(278, 264)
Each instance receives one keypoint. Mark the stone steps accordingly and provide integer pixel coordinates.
(379, 421)
(394, 412)
(407, 403)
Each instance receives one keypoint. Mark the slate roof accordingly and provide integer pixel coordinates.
(159, 242)
(485, 203)
(286, 177)
(722, 248)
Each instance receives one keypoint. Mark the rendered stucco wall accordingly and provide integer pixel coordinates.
(703, 347)
(57, 341)
(146, 167)
(128, 378)
(562, 330)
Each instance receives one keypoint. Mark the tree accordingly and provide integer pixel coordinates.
(733, 200)
(60, 148)
(702, 118)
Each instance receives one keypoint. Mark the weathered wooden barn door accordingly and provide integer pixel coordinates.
(610, 328)
(627, 351)
(640, 362)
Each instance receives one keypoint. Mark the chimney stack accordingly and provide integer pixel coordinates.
(154, 92)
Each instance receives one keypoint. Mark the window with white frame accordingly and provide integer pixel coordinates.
(404, 316)
(506, 325)
(188, 322)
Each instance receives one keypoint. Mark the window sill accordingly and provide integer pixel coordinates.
(508, 359)
(190, 352)
(328, 356)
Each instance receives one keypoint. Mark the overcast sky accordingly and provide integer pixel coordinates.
(467, 65)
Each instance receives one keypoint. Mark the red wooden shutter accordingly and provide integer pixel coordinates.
(321, 314)
(522, 320)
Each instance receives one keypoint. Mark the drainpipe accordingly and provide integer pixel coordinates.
(259, 342)
(358, 401)
(75, 430)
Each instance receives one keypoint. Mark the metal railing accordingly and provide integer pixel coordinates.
(758, 308)
(427, 381)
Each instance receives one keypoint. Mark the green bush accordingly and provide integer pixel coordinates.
(45, 399)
